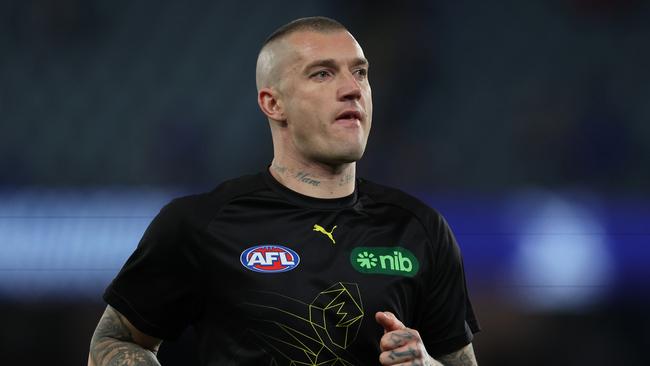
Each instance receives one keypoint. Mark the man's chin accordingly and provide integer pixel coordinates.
(345, 158)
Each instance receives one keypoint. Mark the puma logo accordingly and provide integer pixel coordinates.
(322, 230)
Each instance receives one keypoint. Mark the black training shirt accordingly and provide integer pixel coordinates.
(268, 276)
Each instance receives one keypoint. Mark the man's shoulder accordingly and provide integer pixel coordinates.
(202, 206)
(396, 197)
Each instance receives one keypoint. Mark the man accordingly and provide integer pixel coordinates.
(302, 263)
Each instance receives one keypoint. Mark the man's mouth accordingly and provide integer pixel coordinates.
(349, 115)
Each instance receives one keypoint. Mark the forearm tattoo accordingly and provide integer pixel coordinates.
(463, 357)
(113, 344)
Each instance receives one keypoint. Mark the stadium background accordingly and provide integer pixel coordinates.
(526, 123)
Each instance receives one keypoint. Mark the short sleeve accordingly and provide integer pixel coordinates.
(448, 320)
(158, 289)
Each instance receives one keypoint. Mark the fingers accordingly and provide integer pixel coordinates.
(388, 321)
(400, 355)
(398, 338)
(399, 344)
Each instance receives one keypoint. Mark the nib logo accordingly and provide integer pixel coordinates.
(384, 260)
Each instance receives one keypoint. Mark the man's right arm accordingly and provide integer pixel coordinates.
(117, 342)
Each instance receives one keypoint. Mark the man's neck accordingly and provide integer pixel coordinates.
(317, 181)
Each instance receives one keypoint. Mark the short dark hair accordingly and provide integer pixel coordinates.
(316, 24)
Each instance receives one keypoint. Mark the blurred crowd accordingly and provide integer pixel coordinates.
(468, 95)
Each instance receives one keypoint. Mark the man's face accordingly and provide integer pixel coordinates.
(326, 97)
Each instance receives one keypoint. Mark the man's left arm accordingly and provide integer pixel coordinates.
(403, 346)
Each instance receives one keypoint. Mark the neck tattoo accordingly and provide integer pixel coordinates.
(279, 168)
(305, 178)
(347, 178)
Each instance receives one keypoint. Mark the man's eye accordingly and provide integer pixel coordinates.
(323, 74)
(361, 73)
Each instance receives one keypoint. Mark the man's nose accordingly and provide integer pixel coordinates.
(350, 89)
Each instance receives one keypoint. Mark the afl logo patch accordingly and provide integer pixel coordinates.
(269, 258)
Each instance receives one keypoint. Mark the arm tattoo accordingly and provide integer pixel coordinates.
(113, 344)
(463, 357)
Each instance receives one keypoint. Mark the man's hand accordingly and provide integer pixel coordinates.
(401, 345)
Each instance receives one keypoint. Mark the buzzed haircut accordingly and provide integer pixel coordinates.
(316, 24)
(265, 70)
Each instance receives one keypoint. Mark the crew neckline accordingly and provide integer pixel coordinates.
(304, 200)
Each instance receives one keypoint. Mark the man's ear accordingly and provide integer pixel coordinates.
(270, 104)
